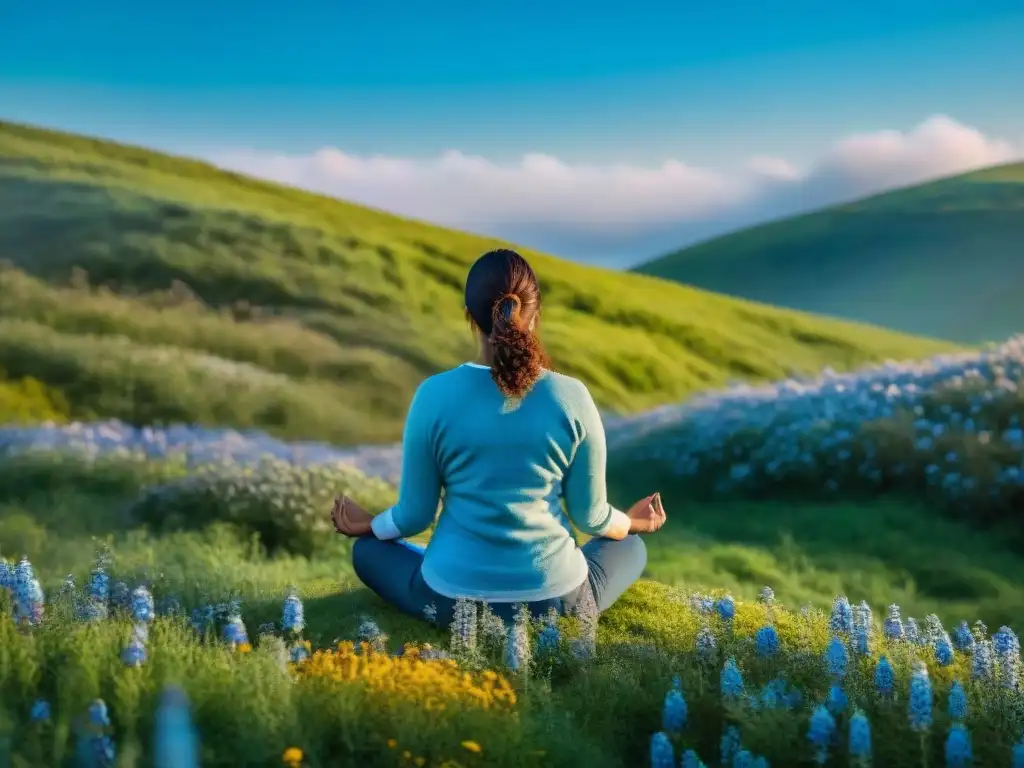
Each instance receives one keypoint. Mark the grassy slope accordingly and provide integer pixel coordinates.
(337, 311)
(941, 259)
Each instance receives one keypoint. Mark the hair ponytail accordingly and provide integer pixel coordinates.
(503, 298)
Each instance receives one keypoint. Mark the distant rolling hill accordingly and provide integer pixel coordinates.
(158, 289)
(942, 259)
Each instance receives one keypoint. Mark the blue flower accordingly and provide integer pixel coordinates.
(860, 737)
(919, 705)
(893, 625)
(176, 743)
(841, 620)
(548, 639)
(836, 701)
(726, 607)
(134, 654)
(517, 641)
(293, 615)
(731, 680)
(743, 759)
(822, 729)
(836, 658)
(766, 595)
(234, 632)
(884, 677)
(983, 661)
(730, 744)
(1018, 754)
(766, 641)
(944, 651)
(673, 712)
(963, 640)
(298, 653)
(662, 754)
(691, 760)
(40, 711)
(957, 702)
(958, 747)
(1005, 642)
(142, 605)
(98, 715)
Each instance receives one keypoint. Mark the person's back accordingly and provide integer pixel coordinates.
(502, 446)
(507, 466)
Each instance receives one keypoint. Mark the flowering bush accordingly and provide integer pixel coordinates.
(285, 504)
(949, 429)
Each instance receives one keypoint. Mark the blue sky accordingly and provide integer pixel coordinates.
(708, 83)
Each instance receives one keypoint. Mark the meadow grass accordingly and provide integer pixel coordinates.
(603, 709)
(936, 259)
(156, 289)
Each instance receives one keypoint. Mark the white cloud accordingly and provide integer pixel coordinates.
(620, 213)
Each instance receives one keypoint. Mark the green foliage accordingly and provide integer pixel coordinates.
(285, 505)
(940, 259)
(152, 288)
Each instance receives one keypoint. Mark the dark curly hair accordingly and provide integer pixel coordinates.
(503, 300)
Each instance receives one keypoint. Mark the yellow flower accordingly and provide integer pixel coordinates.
(245, 648)
(433, 684)
(292, 757)
(407, 755)
(420, 761)
(392, 743)
(472, 746)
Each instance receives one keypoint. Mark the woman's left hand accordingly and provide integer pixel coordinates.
(349, 518)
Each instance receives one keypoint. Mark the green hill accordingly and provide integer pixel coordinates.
(943, 259)
(155, 289)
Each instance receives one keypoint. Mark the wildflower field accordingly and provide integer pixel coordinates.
(211, 615)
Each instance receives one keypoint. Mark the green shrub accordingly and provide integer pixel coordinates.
(287, 506)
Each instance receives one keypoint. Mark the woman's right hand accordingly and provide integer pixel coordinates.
(647, 515)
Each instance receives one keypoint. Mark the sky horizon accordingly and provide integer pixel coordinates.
(608, 138)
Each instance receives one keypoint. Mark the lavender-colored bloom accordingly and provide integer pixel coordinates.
(176, 743)
(430, 613)
(673, 712)
(914, 632)
(919, 705)
(983, 661)
(963, 640)
(142, 605)
(743, 759)
(464, 623)
(549, 639)
(121, 596)
(884, 677)
(731, 680)
(702, 603)
(820, 732)
(836, 701)
(298, 653)
(944, 650)
(730, 744)
(836, 658)
(958, 747)
(691, 760)
(726, 607)
(766, 641)
(662, 754)
(134, 654)
(860, 737)
(293, 615)
(517, 644)
(841, 620)
(861, 640)
(957, 702)
(893, 625)
(40, 712)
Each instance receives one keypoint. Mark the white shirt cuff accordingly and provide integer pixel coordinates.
(384, 527)
(617, 519)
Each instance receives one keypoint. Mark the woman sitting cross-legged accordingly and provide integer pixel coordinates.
(507, 441)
